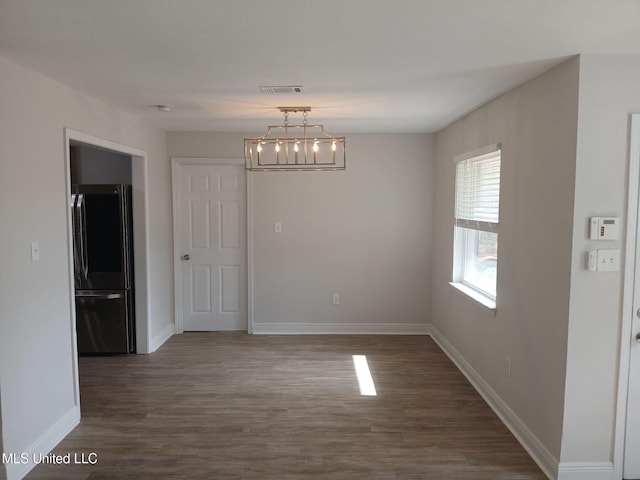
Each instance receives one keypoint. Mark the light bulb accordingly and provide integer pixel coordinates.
(315, 146)
(259, 148)
(277, 147)
(295, 147)
(333, 146)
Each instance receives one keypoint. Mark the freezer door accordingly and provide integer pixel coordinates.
(102, 321)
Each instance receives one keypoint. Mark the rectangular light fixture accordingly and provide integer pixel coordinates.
(295, 147)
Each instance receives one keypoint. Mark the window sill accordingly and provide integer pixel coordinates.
(487, 303)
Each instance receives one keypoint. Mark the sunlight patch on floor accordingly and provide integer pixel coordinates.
(365, 381)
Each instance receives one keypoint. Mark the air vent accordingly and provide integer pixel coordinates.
(273, 89)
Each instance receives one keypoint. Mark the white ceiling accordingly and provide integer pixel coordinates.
(366, 65)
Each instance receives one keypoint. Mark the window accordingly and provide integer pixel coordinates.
(475, 249)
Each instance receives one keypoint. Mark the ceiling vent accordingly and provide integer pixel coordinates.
(273, 89)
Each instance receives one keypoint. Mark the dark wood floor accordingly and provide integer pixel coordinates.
(235, 406)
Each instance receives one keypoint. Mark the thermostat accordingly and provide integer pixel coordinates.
(604, 228)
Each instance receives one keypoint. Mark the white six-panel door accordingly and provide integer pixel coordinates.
(211, 204)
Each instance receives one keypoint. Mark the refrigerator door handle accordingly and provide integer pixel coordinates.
(74, 232)
(98, 295)
(82, 241)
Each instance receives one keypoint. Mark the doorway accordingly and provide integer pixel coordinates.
(210, 244)
(627, 439)
(138, 172)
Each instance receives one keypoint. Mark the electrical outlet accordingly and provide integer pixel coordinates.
(336, 299)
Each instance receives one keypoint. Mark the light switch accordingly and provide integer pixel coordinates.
(35, 251)
(609, 260)
(592, 261)
(277, 227)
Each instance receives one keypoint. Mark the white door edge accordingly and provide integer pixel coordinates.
(631, 239)
(176, 163)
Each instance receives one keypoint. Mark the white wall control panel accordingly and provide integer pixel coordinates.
(604, 260)
(604, 228)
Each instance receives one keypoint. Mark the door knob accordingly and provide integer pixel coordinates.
(638, 337)
(186, 257)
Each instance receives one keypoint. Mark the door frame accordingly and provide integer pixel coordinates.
(631, 258)
(176, 163)
(140, 240)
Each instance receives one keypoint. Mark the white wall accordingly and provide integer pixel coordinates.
(609, 93)
(36, 361)
(536, 124)
(364, 233)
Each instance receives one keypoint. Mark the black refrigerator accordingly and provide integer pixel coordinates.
(103, 264)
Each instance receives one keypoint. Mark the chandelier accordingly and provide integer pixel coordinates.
(295, 147)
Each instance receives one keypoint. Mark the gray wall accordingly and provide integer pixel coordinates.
(377, 230)
(91, 165)
(536, 124)
(565, 138)
(364, 233)
(36, 361)
(609, 93)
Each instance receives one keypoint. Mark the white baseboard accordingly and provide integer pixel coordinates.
(545, 460)
(158, 340)
(44, 444)
(340, 329)
(586, 471)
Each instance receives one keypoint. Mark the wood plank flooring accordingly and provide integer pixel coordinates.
(231, 406)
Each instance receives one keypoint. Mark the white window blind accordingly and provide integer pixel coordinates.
(478, 192)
